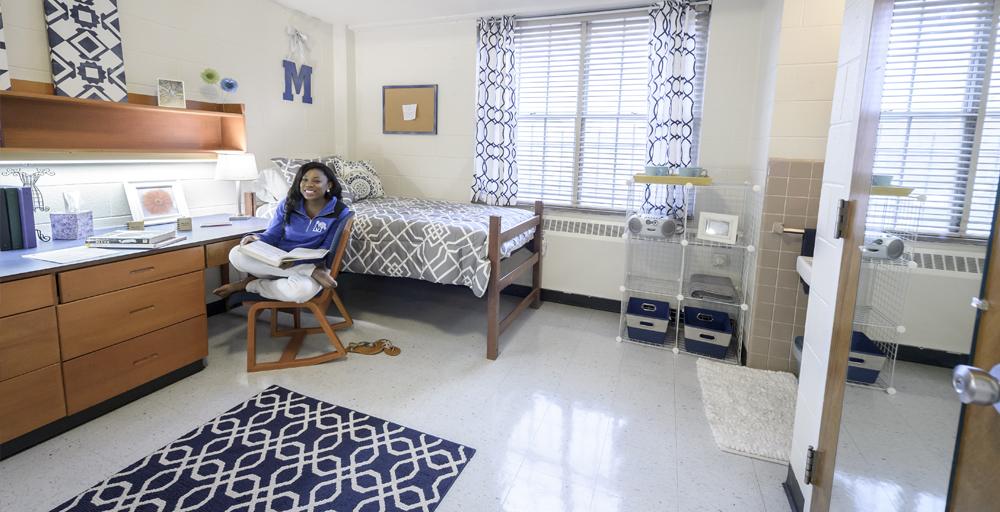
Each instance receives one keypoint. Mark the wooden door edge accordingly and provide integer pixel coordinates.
(850, 267)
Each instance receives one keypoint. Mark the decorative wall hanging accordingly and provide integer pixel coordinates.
(409, 109)
(156, 202)
(298, 79)
(29, 178)
(4, 66)
(85, 46)
(170, 93)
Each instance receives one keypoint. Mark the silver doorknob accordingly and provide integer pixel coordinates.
(976, 386)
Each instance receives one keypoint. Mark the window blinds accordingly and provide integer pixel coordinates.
(582, 112)
(937, 131)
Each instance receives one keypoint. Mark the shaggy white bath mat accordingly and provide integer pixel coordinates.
(750, 411)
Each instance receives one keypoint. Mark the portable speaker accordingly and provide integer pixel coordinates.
(653, 226)
(886, 247)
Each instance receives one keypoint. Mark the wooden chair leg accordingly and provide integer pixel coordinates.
(297, 318)
(252, 337)
(327, 328)
(348, 321)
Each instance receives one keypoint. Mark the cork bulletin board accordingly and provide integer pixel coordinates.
(409, 109)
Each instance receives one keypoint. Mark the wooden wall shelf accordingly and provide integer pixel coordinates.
(33, 120)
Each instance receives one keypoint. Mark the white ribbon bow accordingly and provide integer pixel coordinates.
(298, 45)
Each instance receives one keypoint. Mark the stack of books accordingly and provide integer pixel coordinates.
(130, 239)
(17, 219)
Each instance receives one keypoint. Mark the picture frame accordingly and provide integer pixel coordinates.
(156, 202)
(410, 109)
(718, 227)
(170, 93)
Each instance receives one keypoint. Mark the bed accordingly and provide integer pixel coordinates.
(448, 243)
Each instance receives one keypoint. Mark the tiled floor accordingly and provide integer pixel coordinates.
(566, 419)
(895, 451)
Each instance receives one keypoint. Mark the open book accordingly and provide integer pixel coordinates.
(273, 256)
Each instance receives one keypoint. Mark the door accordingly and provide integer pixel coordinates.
(974, 483)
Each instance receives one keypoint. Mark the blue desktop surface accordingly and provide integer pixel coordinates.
(13, 264)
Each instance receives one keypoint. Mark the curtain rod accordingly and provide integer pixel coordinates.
(641, 8)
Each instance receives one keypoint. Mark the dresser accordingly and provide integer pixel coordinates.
(79, 340)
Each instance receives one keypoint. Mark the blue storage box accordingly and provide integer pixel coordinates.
(865, 361)
(648, 320)
(707, 332)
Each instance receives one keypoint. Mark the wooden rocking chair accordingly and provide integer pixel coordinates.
(317, 305)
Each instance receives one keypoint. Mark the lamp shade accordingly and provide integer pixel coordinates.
(236, 167)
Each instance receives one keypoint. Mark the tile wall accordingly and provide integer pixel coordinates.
(791, 197)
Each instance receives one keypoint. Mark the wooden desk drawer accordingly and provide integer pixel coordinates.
(218, 253)
(30, 401)
(98, 376)
(91, 281)
(91, 324)
(26, 295)
(28, 342)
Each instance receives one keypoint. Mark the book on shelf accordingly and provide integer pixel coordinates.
(5, 240)
(126, 236)
(27, 209)
(13, 206)
(131, 245)
(267, 253)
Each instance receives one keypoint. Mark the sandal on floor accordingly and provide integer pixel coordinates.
(366, 347)
(389, 348)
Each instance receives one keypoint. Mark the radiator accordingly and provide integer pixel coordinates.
(937, 314)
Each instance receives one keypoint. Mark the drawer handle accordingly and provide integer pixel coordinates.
(134, 311)
(141, 270)
(146, 359)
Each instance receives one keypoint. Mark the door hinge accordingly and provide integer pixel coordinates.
(841, 218)
(811, 456)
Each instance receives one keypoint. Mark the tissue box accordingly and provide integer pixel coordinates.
(72, 226)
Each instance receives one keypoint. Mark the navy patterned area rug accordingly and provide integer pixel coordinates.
(283, 451)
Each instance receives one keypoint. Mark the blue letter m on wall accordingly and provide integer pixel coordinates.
(298, 79)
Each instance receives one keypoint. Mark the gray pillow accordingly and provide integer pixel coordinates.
(361, 178)
(288, 166)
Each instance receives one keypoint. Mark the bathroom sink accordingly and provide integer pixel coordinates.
(804, 265)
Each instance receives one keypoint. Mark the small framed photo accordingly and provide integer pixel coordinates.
(718, 227)
(156, 202)
(170, 93)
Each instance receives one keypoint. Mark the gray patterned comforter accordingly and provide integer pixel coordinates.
(436, 241)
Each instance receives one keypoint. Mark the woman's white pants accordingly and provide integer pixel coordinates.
(293, 284)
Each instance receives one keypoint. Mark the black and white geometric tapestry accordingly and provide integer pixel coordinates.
(671, 92)
(284, 451)
(4, 66)
(85, 46)
(496, 114)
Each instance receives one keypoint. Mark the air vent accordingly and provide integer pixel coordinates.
(949, 262)
(584, 227)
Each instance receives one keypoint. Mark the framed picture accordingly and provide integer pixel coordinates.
(409, 109)
(156, 202)
(718, 227)
(170, 93)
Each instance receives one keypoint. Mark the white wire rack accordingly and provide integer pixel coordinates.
(885, 283)
(662, 268)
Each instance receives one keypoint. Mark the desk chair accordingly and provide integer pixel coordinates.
(317, 305)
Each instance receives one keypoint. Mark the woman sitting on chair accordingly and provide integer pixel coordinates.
(308, 217)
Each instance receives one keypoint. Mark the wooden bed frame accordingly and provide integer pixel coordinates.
(495, 326)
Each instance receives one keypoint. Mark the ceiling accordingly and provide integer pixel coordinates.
(374, 12)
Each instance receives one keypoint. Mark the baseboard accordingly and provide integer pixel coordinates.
(791, 486)
(216, 308)
(569, 299)
(44, 433)
(931, 357)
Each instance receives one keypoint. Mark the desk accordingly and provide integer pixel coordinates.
(78, 340)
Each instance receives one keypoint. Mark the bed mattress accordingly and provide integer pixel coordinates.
(436, 241)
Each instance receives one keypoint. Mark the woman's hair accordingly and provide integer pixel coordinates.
(295, 198)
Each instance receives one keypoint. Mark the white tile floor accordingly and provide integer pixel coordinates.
(566, 419)
(895, 451)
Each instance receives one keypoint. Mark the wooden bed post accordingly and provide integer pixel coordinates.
(493, 291)
(536, 272)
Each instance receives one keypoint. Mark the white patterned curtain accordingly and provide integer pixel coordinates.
(496, 114)
(671, 92)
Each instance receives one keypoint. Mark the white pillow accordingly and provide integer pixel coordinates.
(361, 178)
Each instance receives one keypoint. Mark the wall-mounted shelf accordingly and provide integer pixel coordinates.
(673, 180)
(33, 121)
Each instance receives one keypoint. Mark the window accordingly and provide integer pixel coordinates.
(582, 116)
(939, 130)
